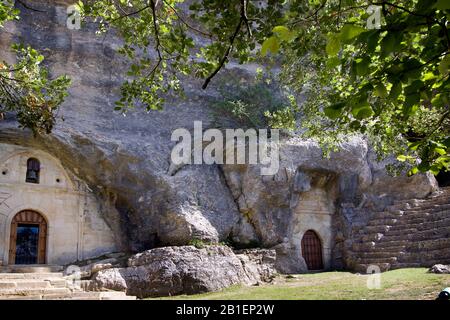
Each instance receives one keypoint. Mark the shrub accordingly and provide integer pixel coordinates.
(259, 105)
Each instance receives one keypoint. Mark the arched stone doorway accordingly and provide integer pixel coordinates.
(312, 250)
(28, 238)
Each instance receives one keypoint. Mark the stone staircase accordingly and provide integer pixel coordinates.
(409, 233)
(49, 286)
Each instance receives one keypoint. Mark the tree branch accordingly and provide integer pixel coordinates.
(312, 14)
(243, 20)
(157, 41)
(339, 14)
(225, 56)
(132, 13)
(438, 125)
(244, 17)
(399, 7)
(26, 6)
(185, 22)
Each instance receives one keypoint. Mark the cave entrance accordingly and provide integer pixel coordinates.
(443, 178)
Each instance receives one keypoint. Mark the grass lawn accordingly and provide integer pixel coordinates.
(413, 283)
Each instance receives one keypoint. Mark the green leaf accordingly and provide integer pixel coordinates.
(334, 111)
(414, 87)
(361, 108)
(363, 112)
(403, 158)
(396, 90)
(413, 171)
(333, 45)
(350, 31)
(333, 62)
(411, 104)
(435, 170)
(424, 166)
(442, 5)
(429, 76)
(372, 41)
(280, 29)
(283, 33)
(414, 145)
(381, 91)
(438, 101)
(388, 44)
(362, 66)
(444, 65)
(270, 45)
(441, 151)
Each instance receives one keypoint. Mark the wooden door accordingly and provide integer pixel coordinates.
(312, 250)
(34, 221)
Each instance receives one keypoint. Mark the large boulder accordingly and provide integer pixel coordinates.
(169, 271)
(439, 268)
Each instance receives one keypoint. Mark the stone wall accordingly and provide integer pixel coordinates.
(76, 229)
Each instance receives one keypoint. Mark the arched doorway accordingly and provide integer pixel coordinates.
(28, 238)
(312, 250)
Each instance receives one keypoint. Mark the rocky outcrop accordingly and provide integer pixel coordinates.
(439, 268)
(85, 269)
(259, 264)
(171, 271)
(346, 186)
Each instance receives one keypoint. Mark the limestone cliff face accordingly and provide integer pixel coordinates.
(126, 160)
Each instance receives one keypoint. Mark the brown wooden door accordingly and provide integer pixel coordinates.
(34, 221)
(312, 250)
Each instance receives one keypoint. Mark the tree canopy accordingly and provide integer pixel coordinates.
(25, 86)
(378, 68)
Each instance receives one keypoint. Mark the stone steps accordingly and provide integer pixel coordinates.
(49, 286)
(107, 295)
(410, 236)
(18, 276)
(366, 247)
(409, 233)
(33, 291)
(411, 245)
(383, 218)
(376, 261)
(411, 216)
(424, 226)
(27, 268)
(433, 243)
(403, 230)
(379, 255)
(424, 206)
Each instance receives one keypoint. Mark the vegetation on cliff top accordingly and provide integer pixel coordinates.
(25, 87)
